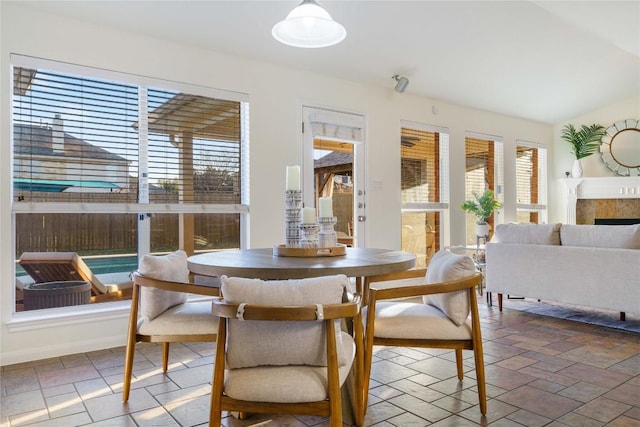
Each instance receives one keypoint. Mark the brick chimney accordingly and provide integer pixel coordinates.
(57, 134)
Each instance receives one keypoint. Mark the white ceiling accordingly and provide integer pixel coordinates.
(542, 60)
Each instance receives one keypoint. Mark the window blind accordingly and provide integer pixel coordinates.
(78, 139)
(424, 156)
(531, 165)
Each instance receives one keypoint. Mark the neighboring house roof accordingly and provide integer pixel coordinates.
(38, 140)
(333, 159)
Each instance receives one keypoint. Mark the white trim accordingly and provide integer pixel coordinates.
(66, 67)
(64, 316)
(423, 126)
(485, 136)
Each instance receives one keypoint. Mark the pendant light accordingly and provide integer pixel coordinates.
(309, 26)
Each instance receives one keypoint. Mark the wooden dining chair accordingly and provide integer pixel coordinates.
(445, 315)
(281, 349)
(161, 313)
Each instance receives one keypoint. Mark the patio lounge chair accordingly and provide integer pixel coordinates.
(69, 266)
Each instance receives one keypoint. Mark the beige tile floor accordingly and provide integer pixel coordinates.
(541, 371)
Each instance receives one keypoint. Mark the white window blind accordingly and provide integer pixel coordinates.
(78, 139)
(424, 167)
(337, 126)
(531, 166)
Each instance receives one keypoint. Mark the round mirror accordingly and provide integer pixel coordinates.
(620, 147)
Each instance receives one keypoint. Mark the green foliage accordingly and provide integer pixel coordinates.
(584, 142)
(482, 206)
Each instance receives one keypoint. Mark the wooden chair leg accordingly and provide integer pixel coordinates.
(165, 356)
(479, 362)
(217, 383)
(128, 367)
(499, 302)
(459, 364)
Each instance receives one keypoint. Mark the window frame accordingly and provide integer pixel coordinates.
(541, 207)
(61, 315)
(440, 207)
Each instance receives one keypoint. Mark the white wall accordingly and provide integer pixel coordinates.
(276, 97)
(592, 166)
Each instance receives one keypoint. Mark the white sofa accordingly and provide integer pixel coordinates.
(589, 265)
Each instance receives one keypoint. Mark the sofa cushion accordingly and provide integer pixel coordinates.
(261, 343)
(601, 236)
(535, 234)
(171, 267)
(443, 267)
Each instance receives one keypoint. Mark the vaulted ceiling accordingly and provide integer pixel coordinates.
(547, 61)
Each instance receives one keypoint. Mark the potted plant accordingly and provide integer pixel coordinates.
(482, 206)
(584, 142)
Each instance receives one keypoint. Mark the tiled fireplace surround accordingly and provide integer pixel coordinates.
(603, 197)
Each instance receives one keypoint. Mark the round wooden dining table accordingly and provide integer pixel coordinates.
(261, 263)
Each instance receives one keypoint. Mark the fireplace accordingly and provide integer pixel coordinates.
(602, 198)
(616, 221)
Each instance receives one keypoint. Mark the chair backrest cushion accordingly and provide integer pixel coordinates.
(443, 267)
(279, 343)
(171, 267)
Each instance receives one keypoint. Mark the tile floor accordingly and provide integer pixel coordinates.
(541, 371)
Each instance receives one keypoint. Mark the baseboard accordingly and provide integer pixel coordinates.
(62, 349)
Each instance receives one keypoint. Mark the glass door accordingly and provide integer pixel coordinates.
(333, 167)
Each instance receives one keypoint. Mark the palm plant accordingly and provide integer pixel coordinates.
(482, 206)
(584, 142)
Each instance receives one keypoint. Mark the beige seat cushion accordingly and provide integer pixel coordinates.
(285, 384)
(400, 319)
(171, 267)
(190, 318)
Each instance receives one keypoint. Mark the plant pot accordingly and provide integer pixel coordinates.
(576, 170)
(482, 229)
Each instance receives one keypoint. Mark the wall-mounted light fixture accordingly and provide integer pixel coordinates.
(309, 26)
(402, 84)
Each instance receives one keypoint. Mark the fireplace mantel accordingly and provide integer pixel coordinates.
(599, 188)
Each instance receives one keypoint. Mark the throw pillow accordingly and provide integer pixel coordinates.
(443, 267)
(263, 343)
(535, 234)
(601, 236)
(171, 267)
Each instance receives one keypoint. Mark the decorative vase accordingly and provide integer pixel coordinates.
(576, 170)
(482, 229)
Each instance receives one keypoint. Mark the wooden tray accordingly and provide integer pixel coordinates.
(282, 250)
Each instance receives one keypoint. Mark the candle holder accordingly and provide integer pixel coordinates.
(292, 217)
(327, 237)
(309, 235)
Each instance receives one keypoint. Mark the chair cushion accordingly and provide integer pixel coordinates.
(401, 319)
(171, 267)
(443, 267)
(190, 318)
(283, 383)
(263, 343)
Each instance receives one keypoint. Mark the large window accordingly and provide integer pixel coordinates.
(484, 171)
(424, 188)
(112, 166)
(531, 172)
